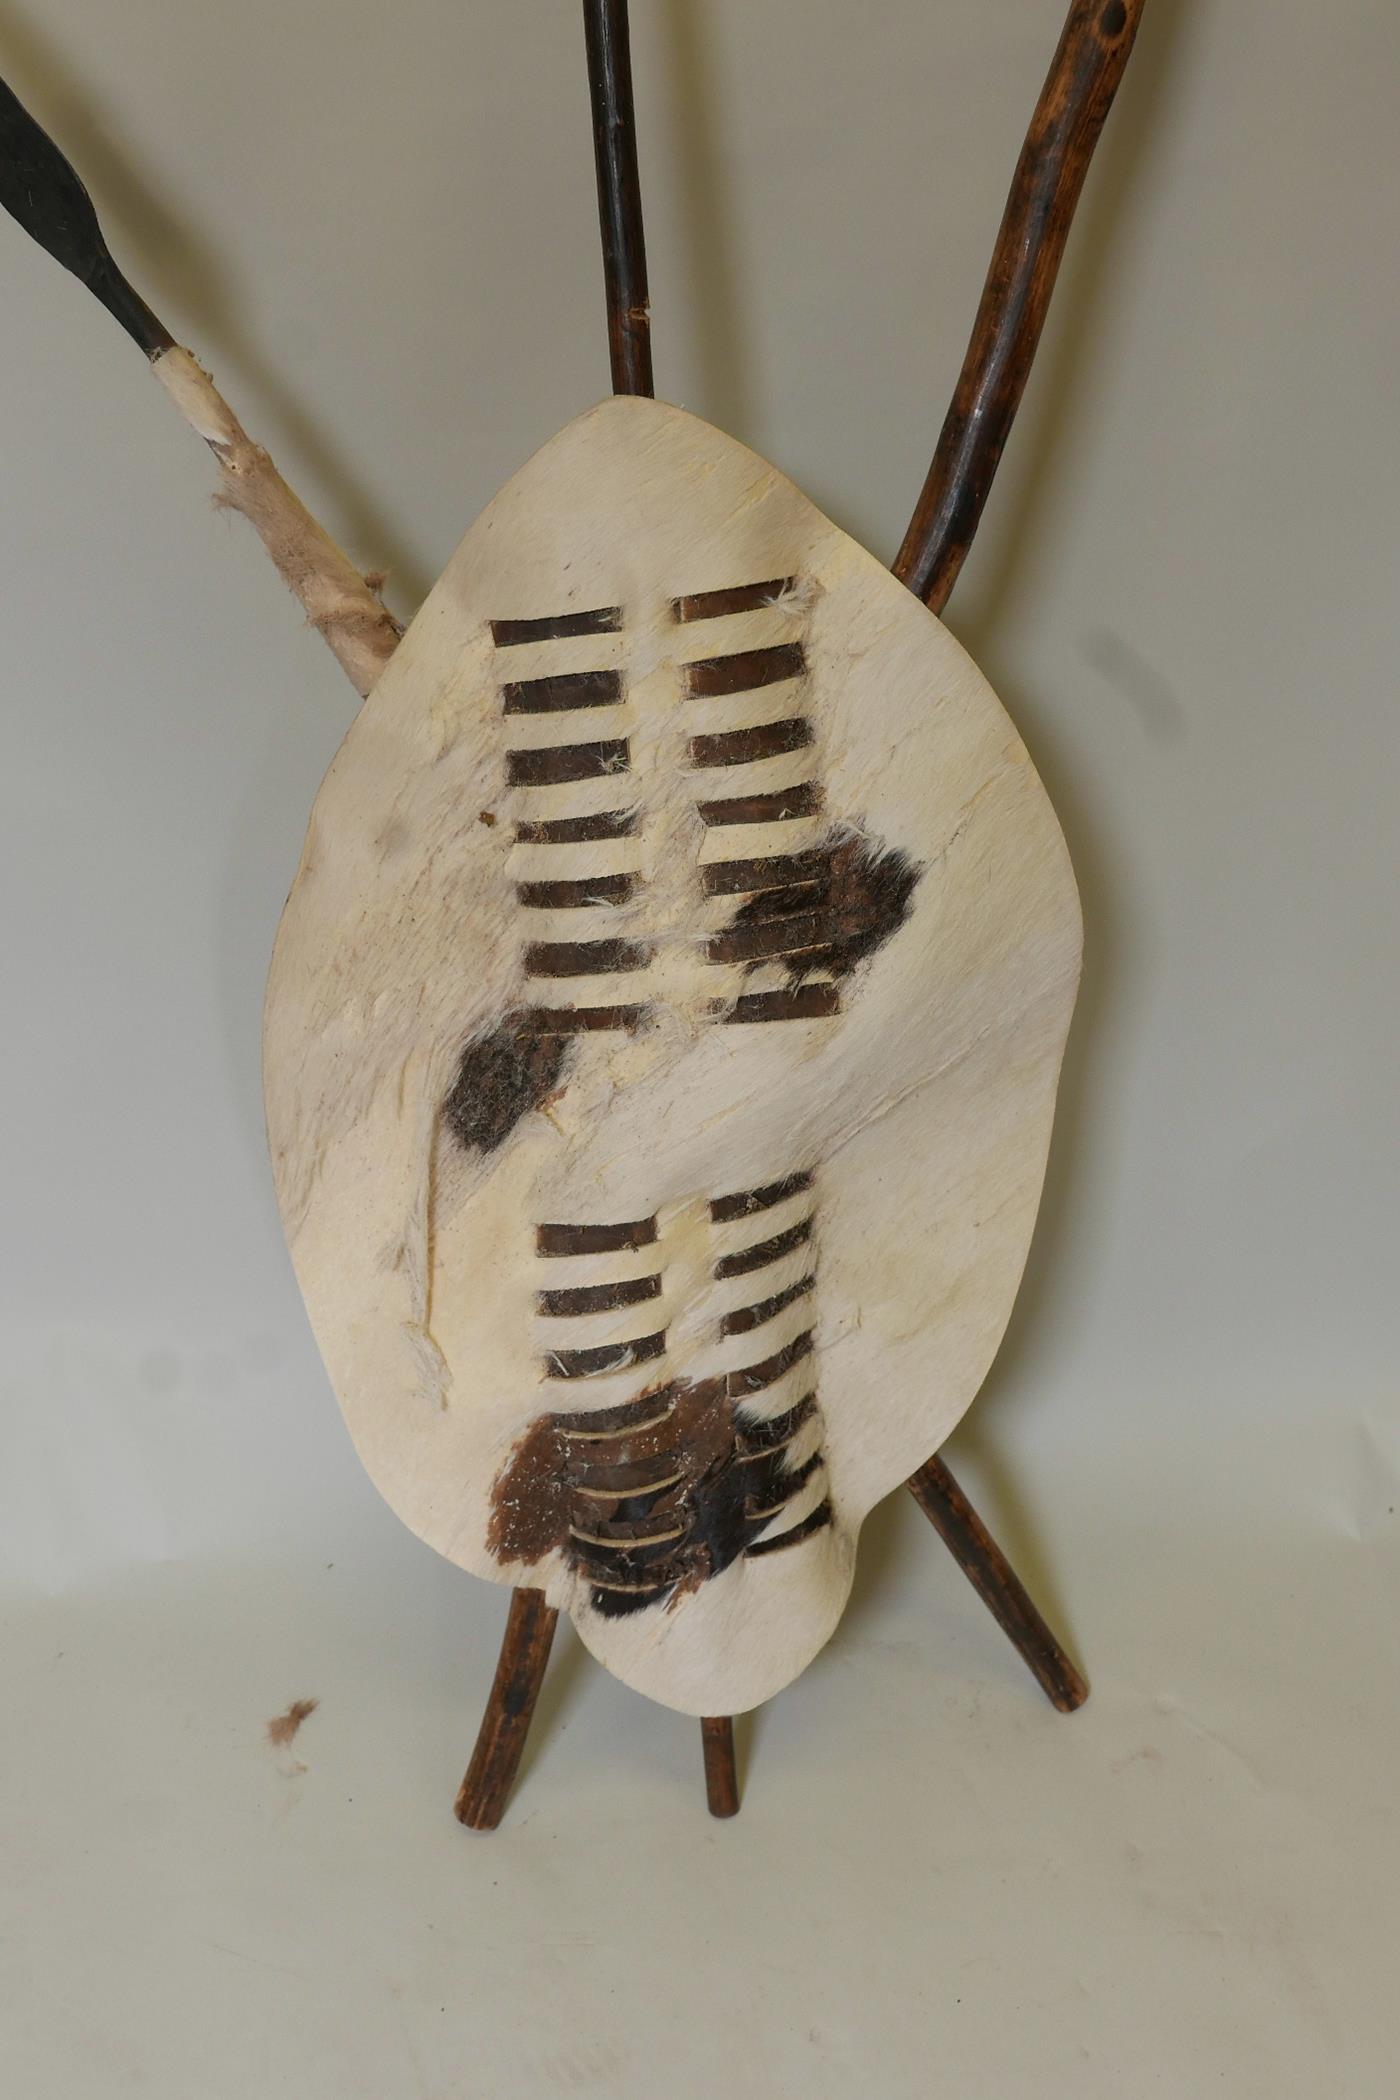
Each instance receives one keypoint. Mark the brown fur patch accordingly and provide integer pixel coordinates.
(651, 1511)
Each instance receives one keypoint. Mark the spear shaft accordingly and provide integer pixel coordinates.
(41, 190)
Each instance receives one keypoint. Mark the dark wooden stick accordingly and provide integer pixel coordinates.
(721, 1772)
(1093, 51)
(996, 1583)
(619, 194)
(506, 1722)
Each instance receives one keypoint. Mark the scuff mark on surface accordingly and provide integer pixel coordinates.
(283, 1727)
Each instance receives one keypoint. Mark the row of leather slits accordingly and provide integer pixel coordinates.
(671, 1484)
(576, 824)
(762, 873)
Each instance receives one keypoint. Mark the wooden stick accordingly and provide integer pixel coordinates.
(505, 1724)
(721, 1772)
(619, 194)
(41, 190)
(1083, 79)
(996, 1583)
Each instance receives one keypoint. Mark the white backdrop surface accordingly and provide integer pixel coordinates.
(377, 227)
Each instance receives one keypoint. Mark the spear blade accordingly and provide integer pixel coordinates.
(42, 191)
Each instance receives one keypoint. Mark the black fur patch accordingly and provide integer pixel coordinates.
(501, 1077)
(860, 898)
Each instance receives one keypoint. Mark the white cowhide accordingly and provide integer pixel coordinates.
(657, 1213)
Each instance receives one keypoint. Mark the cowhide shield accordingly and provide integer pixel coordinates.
(661, 1049)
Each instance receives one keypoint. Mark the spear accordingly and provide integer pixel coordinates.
(41, 190)
(1093, 51)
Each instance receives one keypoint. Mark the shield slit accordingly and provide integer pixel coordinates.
(744, 670)
(563, 691)
(602, 619)
(738, 747)
(556, 765)
(775, 807)
(739, 597)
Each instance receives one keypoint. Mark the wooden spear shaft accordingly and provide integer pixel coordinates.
(606, 42)
(1083, 79)
(41, 190)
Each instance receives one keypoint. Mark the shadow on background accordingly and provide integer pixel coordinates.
(705, 190)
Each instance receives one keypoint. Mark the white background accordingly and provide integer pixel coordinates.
(376, 224)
